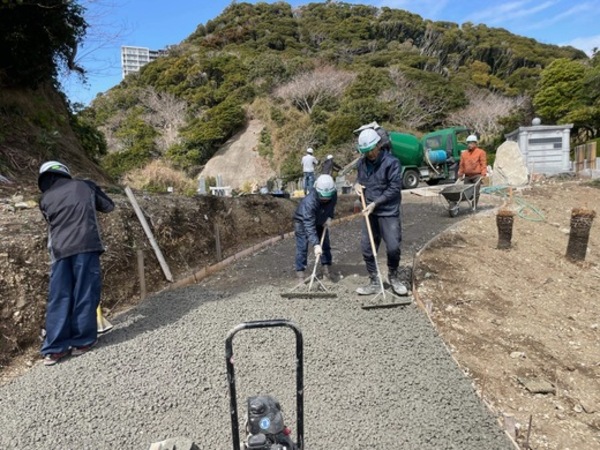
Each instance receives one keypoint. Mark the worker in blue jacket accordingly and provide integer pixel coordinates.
(379, 178)
(312, 216)
(69, 206)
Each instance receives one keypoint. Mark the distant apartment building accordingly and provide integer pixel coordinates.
(134, 58)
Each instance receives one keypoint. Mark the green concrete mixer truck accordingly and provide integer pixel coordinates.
(431, 159)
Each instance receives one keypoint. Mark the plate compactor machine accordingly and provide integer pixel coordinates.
(265, 428)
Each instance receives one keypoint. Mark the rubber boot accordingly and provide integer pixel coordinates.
(326, 273)
(396, 284)
(371, 288)
(300, 276)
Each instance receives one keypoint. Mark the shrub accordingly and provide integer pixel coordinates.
(158, 176)
(116, 164)
(339, 128)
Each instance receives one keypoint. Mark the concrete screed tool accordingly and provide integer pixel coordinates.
(383, 302)
(299, 292)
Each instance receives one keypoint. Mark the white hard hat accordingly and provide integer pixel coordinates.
(55, 167)
(329, 156)
(309, 150)
(325, 186)
(367, 140)
(472, 138)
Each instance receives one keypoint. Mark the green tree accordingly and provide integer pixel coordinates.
(560, 89)
(37, 39)
(569, 92)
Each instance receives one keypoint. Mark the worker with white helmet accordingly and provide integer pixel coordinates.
(315, 213)
(309, 162)
(473, 161)
(69, 206)
(379, 179)
(473, 164)
(329, 166)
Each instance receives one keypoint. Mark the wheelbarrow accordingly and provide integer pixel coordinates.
(458, 193)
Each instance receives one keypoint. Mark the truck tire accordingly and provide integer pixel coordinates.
(410, 179)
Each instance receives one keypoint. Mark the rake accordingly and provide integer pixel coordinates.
(383, 302)
(298, 292)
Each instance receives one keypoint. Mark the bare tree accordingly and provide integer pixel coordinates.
(104, 35)
(408, 102)
(110, 128)
(165, 113)
(308, 89)
(484, 110)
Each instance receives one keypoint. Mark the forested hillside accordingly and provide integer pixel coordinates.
(311, 75)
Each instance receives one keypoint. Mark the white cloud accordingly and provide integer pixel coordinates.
(587, 44)
(510, 11)
(495, 11)
(429, 9)
(576, 10)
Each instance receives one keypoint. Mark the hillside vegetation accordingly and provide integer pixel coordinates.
(310, 75)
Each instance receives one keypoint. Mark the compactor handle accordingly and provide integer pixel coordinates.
(299, 376)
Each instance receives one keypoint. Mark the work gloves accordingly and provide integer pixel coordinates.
(358, 189)
(318, 251)
(369, 209)
(327, 223)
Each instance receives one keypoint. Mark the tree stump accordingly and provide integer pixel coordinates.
(504, 221)
(581, 224)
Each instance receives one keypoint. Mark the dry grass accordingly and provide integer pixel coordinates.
(159, 176)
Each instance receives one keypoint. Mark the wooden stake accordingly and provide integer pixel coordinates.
(527, 446)
(218, 242)
(510, 425)
(141, 273)
(146, 227)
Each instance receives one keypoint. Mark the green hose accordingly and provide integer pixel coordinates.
(524, 210)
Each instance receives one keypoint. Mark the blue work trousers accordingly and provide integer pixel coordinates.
(309, 181)
(74, 295)
(390, 230)
(302, 246)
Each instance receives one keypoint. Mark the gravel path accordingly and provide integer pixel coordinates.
(374, 379)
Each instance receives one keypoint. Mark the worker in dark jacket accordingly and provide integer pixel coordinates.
(312, 216)
(329, 166)
(379, 178)
(69, 206)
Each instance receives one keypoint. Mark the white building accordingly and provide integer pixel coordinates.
(134, 58)
(545, 148)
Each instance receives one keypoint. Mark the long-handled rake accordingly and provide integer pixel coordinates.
(297, 292)
(383, 303)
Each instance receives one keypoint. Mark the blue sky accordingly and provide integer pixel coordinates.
(156, 24)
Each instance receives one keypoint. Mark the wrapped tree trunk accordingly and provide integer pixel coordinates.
(581, 224)
(504, 221)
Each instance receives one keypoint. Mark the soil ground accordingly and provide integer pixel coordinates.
(510, 317)
(524, 322)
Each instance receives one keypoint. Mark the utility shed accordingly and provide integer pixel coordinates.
(545, 148)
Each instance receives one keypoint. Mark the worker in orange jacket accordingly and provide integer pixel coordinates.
(473, 164)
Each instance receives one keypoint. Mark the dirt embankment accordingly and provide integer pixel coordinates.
(524, 321)
(183, 227)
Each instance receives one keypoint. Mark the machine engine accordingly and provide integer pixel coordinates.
(265, 426)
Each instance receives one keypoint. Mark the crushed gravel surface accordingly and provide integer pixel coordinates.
(374, 379)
